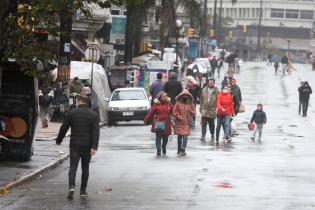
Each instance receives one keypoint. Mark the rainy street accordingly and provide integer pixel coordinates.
(126, 174)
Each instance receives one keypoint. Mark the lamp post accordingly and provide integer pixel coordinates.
(289, 44)
(178, 27)
(92, 54)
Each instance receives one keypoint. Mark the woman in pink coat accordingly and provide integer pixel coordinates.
(184, 111)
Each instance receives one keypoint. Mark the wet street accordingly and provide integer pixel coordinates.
(278, 174)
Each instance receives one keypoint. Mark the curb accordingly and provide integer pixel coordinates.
(35, 173)
(52, 138)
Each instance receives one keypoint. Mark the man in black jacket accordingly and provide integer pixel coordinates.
(173, 87)
(84, 139)
(305, 92)
(236, 93)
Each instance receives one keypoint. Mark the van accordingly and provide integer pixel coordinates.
(18, 112)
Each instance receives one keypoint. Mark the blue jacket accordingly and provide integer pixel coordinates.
(259, 117)
(156, 87)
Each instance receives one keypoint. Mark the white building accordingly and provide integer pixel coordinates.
(284, 13)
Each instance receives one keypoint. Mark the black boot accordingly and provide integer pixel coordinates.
(164, 150)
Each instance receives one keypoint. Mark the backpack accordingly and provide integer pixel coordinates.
(45, 100)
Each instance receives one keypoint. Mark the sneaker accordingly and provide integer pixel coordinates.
(183, 152)
(212, 137)
(83, 193)
(71, 194)
(202, 138)
(158, 153)
(253, 139)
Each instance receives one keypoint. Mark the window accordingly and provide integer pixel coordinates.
(115, 12)
(307, 14)
(125, 12)
(277, 13)
(128, 95)
(292, 14)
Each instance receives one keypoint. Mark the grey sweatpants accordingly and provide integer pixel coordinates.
(258, 127)
(44, 114)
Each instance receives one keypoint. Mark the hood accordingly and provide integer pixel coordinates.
(157, 101)
(185, 92)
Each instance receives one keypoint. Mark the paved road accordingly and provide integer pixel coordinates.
(126, 174)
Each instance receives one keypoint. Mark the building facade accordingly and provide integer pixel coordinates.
(286, 25)
(275, 13)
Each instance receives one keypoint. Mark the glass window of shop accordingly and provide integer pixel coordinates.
(307, 14)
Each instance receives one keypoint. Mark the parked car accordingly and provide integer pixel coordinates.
(127, 104)
(204, 62)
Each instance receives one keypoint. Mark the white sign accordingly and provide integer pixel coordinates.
(162, 65)
(66, 47)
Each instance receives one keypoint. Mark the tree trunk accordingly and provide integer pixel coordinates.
(168, 18)
(133, 32)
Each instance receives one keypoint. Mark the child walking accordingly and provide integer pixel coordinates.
(259, 118)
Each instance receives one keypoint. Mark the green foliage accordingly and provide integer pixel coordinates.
(17, 26)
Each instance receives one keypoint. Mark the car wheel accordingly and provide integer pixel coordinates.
(110, 122)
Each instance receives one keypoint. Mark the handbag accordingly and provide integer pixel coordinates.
(191, 121)
(251, 126)
(241, 109)
(160, 126)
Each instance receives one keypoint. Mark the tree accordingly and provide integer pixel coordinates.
(23, 22)
(137, 13)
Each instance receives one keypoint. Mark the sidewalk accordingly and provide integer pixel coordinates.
(47, 155)
(49, 133)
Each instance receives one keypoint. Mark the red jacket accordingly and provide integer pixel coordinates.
(225, 101)
(160, 111)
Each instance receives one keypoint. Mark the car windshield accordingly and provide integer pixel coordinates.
(128, 95)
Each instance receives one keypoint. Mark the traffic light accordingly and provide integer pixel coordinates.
(230, 34)
(212, 33)
(190, 32)
(244, 28)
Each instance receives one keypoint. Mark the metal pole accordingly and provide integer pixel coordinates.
(218, 33)
(205, 28)
(259, 28)
(215, 15)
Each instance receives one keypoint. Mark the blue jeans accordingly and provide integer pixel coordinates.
(225, 122)
(158, 140)
(182, 142)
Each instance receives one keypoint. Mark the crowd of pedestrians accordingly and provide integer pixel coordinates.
(174, 109)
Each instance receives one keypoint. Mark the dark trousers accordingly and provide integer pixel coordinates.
(75, 156)
(300, 106)
(158, 141)
(304, 106)
(210, 122)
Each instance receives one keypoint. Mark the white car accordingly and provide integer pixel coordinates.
(127, 104)
(204, 62)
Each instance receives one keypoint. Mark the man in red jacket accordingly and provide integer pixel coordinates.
(225, 110)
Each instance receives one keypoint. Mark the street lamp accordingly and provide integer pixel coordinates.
(179, 25)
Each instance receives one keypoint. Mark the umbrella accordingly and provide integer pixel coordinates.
(197, 68)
